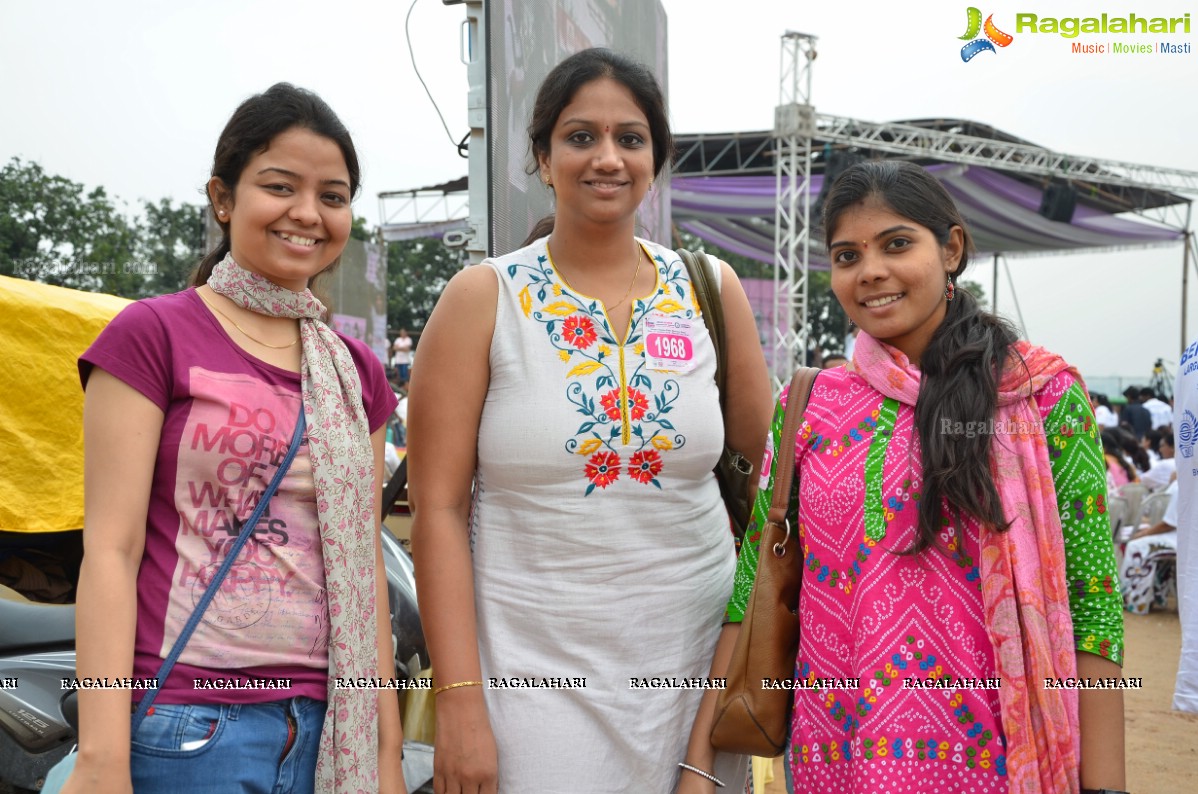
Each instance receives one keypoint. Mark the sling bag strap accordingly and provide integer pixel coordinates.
(247, 529)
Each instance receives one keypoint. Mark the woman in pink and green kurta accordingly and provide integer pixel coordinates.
(957, 559)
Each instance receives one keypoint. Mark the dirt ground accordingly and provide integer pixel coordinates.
(1162, 745)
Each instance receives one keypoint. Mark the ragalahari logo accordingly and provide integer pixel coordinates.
(976, 45)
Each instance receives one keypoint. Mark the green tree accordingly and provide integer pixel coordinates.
(417, 272)
(360, 231)
(170, 243)
(829, 323)
(52, 231)
(978, 291)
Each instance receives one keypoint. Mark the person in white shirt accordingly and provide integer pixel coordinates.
(1162, 413)
(402, 356)
(1103, 414)
(1164, 468)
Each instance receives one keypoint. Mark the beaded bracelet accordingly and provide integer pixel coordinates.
(719, 783)
(441, 689)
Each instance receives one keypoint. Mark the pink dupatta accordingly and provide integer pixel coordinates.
(1024, 590)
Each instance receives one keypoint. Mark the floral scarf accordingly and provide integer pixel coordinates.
(343, 469)
(1024, 593)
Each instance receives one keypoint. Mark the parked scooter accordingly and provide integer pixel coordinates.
(39, 717)
(37, 651)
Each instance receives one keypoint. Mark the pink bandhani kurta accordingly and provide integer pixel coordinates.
(877, 623)
(896, 686)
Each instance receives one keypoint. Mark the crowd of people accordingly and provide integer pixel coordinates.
(1141, 447)
(1138, 447)
(569, 536)
(1138, 441)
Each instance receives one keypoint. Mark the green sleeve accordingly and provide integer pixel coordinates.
(746, 563)
(1079, 474)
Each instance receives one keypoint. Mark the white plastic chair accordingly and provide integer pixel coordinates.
(1116, 510)
(1153, 508)
(1133, 493)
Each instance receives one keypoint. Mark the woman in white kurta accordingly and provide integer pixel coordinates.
(573, 604)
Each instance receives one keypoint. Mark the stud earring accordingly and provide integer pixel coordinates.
(950, 290)
(546, 180)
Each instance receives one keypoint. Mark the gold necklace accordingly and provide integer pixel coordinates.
(640, 259)
(243, 331)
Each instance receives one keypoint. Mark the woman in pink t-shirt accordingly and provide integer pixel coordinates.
(191, 403)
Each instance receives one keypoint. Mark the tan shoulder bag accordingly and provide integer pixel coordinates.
(751, 719)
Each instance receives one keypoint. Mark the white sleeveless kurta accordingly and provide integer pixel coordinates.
(603, 557)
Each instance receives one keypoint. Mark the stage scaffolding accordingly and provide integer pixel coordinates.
(798, 146)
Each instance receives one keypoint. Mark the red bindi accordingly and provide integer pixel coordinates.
(607, 129)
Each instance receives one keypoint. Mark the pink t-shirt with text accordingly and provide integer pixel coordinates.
(228, 421)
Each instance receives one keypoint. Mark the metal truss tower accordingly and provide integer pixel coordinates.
(794, 128)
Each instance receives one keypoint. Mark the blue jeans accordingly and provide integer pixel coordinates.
(239, 748)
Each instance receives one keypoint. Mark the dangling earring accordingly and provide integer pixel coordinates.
(950, 290)
(650, 183)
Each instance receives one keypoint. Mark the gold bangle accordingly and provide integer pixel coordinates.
(441, 689)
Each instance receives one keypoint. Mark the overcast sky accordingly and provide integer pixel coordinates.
(131, 95)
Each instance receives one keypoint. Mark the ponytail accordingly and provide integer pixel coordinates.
(203, 270)
(541, 228)
(961, 369)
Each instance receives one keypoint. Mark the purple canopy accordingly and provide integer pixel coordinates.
(737, 214)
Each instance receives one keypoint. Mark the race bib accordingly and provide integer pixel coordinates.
(669, 344)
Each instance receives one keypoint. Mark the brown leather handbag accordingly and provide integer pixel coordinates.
(749, 718)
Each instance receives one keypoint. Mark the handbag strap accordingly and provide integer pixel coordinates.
(247, 529)
(796, 404)
(702, 276)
